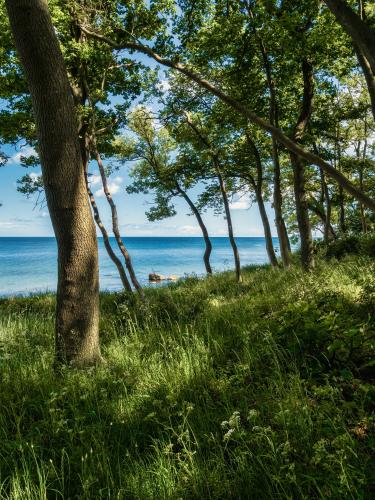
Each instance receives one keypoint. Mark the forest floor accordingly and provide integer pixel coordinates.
(211, 390)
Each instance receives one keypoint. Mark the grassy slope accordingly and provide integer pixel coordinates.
(212, 390)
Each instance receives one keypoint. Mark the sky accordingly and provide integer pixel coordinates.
(20, 216)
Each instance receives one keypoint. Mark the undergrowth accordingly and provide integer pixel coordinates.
(211, 390)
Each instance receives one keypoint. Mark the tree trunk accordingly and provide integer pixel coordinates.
(258, 188)
(77, 300)
(266, 227)
(329, 234)
(107, 243)
(215, 161)
(302, 211)
(116, 231)
(274, 119)
(277, 205)
(360, 32)
(369, 77)
(193, 208)
(317, 210)
(224, 195)
(361, 207)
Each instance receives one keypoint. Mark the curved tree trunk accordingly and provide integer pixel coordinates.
(116, 231)
(277, 205)
(258, 188)
(329, 233)
(215, 161)
(228, 216)
(207, 253)
(107, 243)
(267, 229)
(363, 38)
(360, 32)
(77, 307)
(274, 120)
(369, 77)
(302, 210)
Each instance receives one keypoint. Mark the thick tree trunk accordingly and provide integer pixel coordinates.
(77, 310)
(207, 241)
(115, 227)
(228, 216)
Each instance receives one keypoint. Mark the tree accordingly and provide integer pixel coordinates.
(161, 169)
(363, 38)
(77, 309)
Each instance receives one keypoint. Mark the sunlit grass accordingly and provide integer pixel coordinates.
(211, 390)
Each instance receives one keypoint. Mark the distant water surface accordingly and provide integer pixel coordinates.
(29, 264)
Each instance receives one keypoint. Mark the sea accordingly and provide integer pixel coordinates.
(29, 265)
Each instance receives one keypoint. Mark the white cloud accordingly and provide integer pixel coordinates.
(164, 85)
(94, 179)
(24, 151)
(114, 186)
(241, 201)
(35, 176)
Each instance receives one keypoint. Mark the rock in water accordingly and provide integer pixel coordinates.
(155, 277)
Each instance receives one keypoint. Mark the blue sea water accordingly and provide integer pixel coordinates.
(29, 264)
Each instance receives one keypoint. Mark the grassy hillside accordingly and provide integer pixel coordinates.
(211, 390)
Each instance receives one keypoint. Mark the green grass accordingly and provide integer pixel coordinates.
(211, 390)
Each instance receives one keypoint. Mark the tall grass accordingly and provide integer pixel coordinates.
(211, 390)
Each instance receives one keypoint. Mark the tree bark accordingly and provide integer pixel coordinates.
(258, 188)
(362, 35)
(207, 241)
(116, 231)
(215, 161)
(369, 77)
(274, 120)
(329, 234)
(77, 300)
(302, 210)
(266, 227)
(107, 243)
(315, 207)
(228, 216)
(277, 204)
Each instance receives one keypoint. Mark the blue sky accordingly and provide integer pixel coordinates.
(20, 216)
